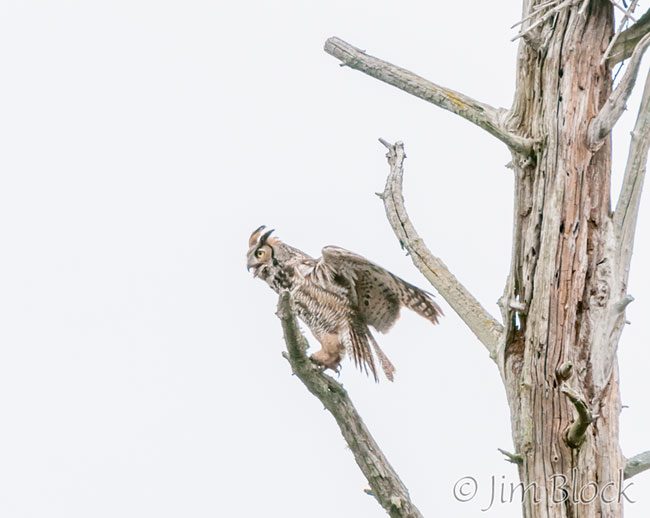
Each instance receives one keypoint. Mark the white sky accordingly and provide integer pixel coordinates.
(140, 367)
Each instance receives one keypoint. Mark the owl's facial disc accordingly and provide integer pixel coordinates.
(258, 259)
(260, 252)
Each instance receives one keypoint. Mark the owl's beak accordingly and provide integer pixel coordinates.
(251, 264)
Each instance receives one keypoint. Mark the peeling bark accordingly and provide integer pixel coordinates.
(564, 269)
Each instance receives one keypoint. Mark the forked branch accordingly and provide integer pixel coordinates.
(483, 115)
(385, 485)
(627, 207)
(614, 107)
(637, 464)
(480, 322)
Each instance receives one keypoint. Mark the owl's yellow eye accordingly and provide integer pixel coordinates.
(259, 253)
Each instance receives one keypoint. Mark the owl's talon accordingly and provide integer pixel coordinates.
(317, 365)
(322, 364)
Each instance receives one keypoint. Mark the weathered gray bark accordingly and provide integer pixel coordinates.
(629, 38)
(385, 484)
(563, 307)
(637, 464)
(481, 114)
(480, 322)
(565, 269)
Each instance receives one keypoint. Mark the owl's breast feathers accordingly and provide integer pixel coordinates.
(323, 305)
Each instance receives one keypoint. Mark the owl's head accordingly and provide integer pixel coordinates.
(261, 254)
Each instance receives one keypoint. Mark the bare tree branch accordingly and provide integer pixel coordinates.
(627, 207)
(622, 25)
(619, 31)
(535, 12)
(614, 107)
(385, 484)
(575, 435)
(480, 322)
(627, 12)
(628, 40)
(515, 458)
(555, 9)
(564, 371)
(637, 464)
(483, 115)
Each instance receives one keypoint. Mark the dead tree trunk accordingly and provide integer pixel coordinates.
(563, 307)
(565, 279)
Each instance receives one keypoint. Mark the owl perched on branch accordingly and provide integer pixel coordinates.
(338, 296)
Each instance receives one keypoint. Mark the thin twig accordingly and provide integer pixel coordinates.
(480, 322)
(621, 26)
(385, 484)
(614, 107)
(626, 12)
(536, 10)
(542, 19)
(576, 433)
(628, 40)
(637, 464)
(515, 458)
(483, 115)
(583, 7)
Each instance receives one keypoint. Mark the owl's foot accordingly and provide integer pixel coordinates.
(327, 360)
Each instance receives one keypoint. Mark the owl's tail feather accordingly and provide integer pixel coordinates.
(362, 346)
(386, 365)
(361, 352)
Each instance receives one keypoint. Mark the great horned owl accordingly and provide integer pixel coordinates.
(338, 296)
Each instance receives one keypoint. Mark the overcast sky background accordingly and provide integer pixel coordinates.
(140, 144)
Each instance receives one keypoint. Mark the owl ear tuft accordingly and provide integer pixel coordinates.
(255, 235)
(265, 236)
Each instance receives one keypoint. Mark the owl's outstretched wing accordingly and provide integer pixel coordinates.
(377, 294)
